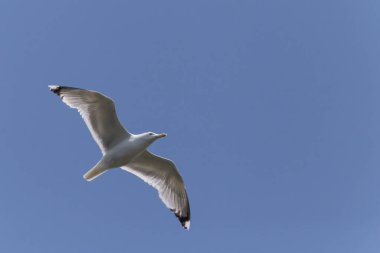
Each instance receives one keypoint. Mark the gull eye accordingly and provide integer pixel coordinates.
(150, 133)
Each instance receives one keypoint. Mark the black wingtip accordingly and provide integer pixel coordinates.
(184, 220)
(56, 89)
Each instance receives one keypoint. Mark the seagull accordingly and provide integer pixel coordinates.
(128, 151)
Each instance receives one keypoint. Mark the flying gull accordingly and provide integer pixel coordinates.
(126, 150)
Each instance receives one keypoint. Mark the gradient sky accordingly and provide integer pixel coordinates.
(271, 110)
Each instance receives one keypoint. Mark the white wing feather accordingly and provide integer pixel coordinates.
(97, 111)
(162, 174)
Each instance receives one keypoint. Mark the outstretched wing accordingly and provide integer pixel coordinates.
(98, 111)
(162, 174)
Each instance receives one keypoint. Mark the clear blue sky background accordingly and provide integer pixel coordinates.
(272, 111)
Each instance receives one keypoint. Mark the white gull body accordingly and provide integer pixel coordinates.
(125, 150)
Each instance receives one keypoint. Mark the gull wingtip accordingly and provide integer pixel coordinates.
(186, 225)
(55, 89)
(183, 219)
(53, 86)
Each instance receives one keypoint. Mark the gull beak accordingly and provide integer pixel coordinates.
(161, 135)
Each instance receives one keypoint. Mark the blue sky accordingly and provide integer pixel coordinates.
(271, 110)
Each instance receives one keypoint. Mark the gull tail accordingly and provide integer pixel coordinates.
(93, 173)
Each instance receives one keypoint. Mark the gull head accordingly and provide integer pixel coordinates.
(150, 136)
